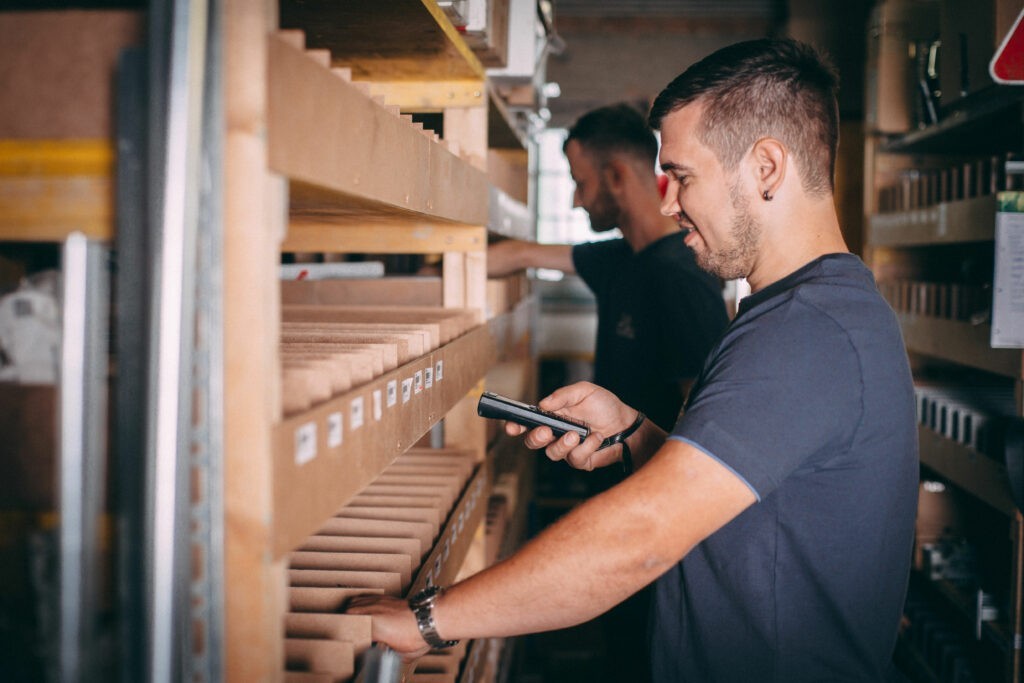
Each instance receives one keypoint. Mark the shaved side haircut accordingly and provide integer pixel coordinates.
(777, 88)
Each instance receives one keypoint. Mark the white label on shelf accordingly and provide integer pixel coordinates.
(305, 443)
(428, 377)
(392, 392)
(1008, 283)
(378, 409)
(406, 390)
(417, 381)
(334, 429)
(439, 371)
(356, 413)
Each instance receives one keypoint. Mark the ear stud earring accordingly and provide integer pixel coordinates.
(767, 197)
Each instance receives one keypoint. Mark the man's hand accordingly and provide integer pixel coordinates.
(600, 409)
(393, 624)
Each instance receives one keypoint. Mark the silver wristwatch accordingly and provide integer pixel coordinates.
(422, 606)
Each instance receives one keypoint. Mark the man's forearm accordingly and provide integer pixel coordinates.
(645, 442)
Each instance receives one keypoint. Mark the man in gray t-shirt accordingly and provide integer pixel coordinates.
(777, 518)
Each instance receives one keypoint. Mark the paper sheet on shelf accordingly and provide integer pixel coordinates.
(1008, 280)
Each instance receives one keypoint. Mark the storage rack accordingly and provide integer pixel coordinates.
(931, 202)
(317, 109)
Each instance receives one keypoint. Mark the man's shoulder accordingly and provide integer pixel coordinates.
(602, 247)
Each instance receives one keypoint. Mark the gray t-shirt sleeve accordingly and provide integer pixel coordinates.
(786, 398)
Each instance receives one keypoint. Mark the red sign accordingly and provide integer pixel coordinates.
(1007, 66)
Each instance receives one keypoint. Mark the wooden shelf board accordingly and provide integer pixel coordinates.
(958, 342)
(988, 121)
(968, 220)
(346, 154)
(975, 473)
(310, 488)
(391, 41)
(319, 234)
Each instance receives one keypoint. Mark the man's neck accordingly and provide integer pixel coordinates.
(786, 251)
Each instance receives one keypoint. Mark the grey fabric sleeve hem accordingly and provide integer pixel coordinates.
(674, 437)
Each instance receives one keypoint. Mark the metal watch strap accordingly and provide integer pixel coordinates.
(627, 456)
(422, 606)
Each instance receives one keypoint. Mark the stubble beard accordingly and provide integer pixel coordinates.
(736, 258)
(604, 213)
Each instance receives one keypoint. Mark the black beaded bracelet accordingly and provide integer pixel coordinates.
(627, 456)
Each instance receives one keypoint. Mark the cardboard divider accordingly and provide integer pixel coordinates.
(380, 528)
(374, 562)
(431, 516)
(389, 582)
(363, 544)
(404, 347)
(451, 322)
(379, 546)
(324, 599)
(421, 337)
(328, 454)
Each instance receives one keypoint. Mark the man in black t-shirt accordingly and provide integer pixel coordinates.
(657, 313)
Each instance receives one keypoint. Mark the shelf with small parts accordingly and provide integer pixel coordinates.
(346, 170)
(931, 202)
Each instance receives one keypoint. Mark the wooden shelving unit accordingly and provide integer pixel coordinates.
(323, 156)
(937, 246)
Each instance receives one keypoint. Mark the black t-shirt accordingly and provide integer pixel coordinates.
(808, 398)
(658, 316)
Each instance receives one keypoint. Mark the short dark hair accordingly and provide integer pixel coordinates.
(616, 128)
(769, 87)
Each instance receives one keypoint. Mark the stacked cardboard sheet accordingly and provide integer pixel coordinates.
(378, 543)
(328, 350)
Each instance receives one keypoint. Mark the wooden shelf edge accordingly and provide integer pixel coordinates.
(443, 563)
(968, 220)
(977, 474)
(381, 237)
(958, 342)
(313, 479)
(363, 155)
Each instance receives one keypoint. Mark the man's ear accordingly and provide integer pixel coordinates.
(769, 159)
(614, 173)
